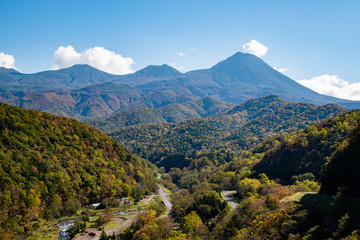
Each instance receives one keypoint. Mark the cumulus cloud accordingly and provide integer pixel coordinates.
(97, 57)
(7, 61)
(256, 48)
(334, 86)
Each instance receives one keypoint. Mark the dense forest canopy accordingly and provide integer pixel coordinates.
(267, 208)
(306, 150)
(341, 174)
(51, 165)
(174, 112)
(239, 129)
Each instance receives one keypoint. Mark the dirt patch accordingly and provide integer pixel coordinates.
(89, 232)
(148, 198)
(116, 225)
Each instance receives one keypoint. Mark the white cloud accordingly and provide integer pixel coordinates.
(97, 57)
(334, 86)
(185, 52)
(282, 70)
(256, 48)
(7, 61)
(181, 54)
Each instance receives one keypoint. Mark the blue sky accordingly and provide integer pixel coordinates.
(308, 38)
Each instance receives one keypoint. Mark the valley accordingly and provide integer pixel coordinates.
(237, 151)
(179, 120)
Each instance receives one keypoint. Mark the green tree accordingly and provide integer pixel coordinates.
(193, 225)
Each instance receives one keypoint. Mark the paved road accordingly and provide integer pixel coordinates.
(165, 200)
(230, 200)
(118, 229)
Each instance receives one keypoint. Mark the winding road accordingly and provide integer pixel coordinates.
(165, 200)
(230, 200)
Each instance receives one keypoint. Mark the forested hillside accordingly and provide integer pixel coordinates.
(94, 101)
(240, 128)
(306, 150)
(174, 112)
(267, 208)
(341, 174)
(51, 165)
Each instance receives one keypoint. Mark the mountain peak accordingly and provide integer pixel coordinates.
(241, 54)
(159, 71)
(249, 70)
(239, 61)
(80, 67)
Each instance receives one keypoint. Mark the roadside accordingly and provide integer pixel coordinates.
(121, 224)
(120, 221)
(124, 217)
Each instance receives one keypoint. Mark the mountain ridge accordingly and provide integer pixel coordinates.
(76, 76)
(174, 112)
(159, 71)
(235, 79)
(237, 131)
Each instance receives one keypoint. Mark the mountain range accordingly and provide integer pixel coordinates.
(84, 92)
(77, 76)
